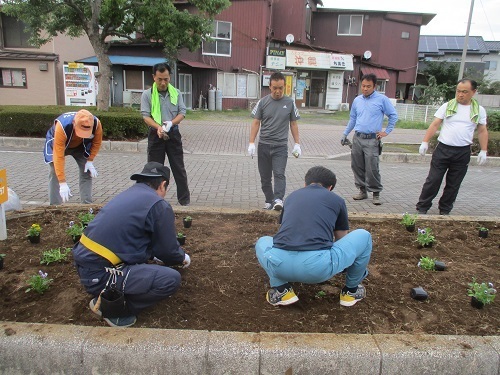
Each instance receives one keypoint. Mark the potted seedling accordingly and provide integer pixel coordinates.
(481, 294)
(483, 232)
(86, 218)
(75, 231)
(34, 233)
(2, 256)
(187, 221)
(425, 237)
(430, 264)
(39, 283)
(409, 221)
(181, 237)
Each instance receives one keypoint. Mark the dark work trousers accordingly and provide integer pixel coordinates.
(158, 147)
(364, 164)
(144, 285)
(272, 161)
(454, 161)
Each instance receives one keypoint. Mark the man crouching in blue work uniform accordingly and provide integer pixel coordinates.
(135, 226)
(304, 250)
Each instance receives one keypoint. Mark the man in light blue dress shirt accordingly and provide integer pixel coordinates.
(367, 117)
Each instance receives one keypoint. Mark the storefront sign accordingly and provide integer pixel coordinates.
(288, 85)
(277, 52)
(336, 80)
(275, 62)
(265, 79)
(318, 60)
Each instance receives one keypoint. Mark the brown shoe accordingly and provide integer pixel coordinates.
(360, 196)
(376, 199)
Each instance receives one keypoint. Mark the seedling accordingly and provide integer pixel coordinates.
(39, 283)
(427, 263)
(55, 255)
(484, 293)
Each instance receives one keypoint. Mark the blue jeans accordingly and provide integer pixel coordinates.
(352, 253)
(272, 160)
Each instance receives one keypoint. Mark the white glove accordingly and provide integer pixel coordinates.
(167, 125)
(64, 191)
(296, 150)
(89, 166)
(481, 157)
(423, 148)
(187, 261)
(251, 149)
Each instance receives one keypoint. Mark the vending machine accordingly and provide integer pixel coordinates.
(80, 84)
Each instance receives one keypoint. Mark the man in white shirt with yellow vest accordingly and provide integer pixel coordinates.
(459, 118)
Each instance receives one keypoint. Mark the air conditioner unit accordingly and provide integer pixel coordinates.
(344, 107)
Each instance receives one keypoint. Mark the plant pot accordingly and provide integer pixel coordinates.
(182, 240)
(410, 228)
(76, 238)
(187, 223)
(34, 239)
(439, 266)
(476, 303)
(483, 233)
(429, 245)
(418, 293)
(1, 263)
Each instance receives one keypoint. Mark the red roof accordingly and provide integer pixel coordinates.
(380, 73)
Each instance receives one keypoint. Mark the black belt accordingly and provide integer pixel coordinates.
(366, 135)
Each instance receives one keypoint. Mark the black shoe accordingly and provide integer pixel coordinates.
(441, 212)
(422, 212)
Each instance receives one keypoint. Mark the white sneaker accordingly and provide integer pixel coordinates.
(278, 205)
(268, 206)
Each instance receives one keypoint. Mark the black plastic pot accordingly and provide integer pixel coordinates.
(429, 244)
(476, 303)
(439, 266)
(34, 239)
(1, 263)
(76, 238)
(182, 240)
(483, 233)
(410, 228)
(418, 293)
(187, 223)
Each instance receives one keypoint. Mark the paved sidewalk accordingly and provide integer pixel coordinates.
(221, 175)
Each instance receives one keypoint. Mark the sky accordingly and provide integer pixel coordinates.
(451, 15)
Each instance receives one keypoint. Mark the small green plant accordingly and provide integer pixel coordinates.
(409, 219)
(180, 235)
(425, 236)
(2, 256)
(320, 294)
(482, 229)
(188, 218)
(55, 255)
(39, 283)
(74, 230)
(484, 293)
(427, 263)
(34, 230)
(87, 217)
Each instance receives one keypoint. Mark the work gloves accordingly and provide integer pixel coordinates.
(481, 157)
(89, 166)
(251, 149)
(187, 261)
(167, 125)
(64, 191)
(296, 150)
(423, 148)
(343, 140)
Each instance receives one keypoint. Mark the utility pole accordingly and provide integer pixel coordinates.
(466, 43)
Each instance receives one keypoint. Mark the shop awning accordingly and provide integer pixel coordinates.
(196, 64)
(380, 73)
(127, 60)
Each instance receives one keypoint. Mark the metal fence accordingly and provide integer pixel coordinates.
(416, 112)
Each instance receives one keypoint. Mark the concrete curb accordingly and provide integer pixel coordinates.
(49, 348)
(141, 146)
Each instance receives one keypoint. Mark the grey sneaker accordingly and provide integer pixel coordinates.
(376, 199)
(278, 205)
(286, 297)
(268, 206)
(350, 299)
(360, 196)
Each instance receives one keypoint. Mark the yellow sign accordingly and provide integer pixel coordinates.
(75, 65)
(4, 192)
(288, 85)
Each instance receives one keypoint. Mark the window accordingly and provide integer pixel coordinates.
(235, 85)
(134, 79)
(381, 86)
(14, 34)
(405, 35)
(490, 65)
(220, 43)
(350, 24)
(12, 77)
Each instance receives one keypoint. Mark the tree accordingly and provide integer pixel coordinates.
(158, 21)
(445, 78)
(434, 93)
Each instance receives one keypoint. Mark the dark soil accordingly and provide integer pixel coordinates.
(224, 289)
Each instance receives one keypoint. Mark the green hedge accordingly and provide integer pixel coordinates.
(494, 121)
(34, 121)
